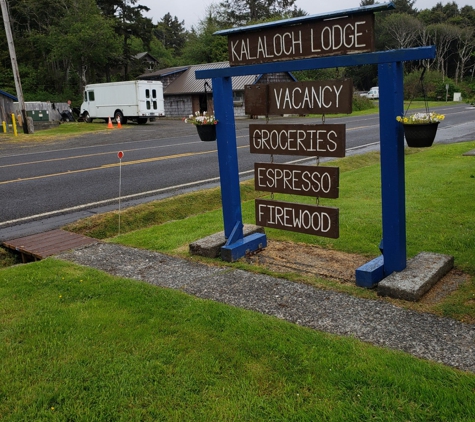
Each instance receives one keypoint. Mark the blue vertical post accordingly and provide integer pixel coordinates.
(391, 104)
(236, 245)
(227, 156)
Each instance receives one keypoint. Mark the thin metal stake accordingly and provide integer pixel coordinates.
(120, 154)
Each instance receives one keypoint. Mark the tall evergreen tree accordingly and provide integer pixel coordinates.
(172, 33)
(242, 12)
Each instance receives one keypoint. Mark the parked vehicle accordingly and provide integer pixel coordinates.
(130, 100)
(373, 93)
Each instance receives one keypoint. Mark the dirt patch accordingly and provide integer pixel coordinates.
(287, 257)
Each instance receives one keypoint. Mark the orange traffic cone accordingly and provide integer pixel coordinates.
(118, 122)
(109, 125)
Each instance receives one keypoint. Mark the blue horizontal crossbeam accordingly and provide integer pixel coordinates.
(378, 57)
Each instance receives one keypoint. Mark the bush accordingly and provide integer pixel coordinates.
(362, 103)
(434, 85)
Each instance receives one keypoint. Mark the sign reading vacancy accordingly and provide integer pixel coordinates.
(295, 139)
(296, 179)
(312, 97)
(327, 37)
(302, 218)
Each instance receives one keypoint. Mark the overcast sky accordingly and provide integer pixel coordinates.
(192, 11)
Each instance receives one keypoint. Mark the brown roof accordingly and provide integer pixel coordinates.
(186, 83)
(163, 72)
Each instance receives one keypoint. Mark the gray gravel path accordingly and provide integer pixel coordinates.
(374, 321)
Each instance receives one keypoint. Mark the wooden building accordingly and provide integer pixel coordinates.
(184, 94)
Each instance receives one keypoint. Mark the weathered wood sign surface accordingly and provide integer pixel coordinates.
(295, 139)
(311, 97)
(297, 180)
(327, 37)
(302, 218)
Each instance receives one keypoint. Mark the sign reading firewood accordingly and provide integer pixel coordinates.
(319, 140)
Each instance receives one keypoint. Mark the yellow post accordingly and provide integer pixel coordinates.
(4, 124)
(14, 125)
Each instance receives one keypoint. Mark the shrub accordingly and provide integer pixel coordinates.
(362, 103)
(434, 85)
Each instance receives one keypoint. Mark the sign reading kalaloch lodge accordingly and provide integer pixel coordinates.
(326, 37)
(311, 97)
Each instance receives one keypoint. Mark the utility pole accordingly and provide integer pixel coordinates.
(16, 73)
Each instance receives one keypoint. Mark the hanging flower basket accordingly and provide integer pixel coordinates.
(207, 133)
(205, 125)
(420, 135)
(420, 128)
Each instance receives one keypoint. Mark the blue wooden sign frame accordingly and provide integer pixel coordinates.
(390, 73)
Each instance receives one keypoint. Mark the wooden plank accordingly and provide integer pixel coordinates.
(297, 179)
(310, 97)
(45, 244)
(325, 37)
(295, 139)
(302, 218)
(256, 99)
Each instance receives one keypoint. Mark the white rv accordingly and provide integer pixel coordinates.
(130, 100)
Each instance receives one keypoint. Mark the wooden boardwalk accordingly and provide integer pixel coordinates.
(42, 245)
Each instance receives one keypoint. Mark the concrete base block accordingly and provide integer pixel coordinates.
(422, 272)
(210, 246)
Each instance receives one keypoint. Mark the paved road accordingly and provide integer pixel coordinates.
(49, 184)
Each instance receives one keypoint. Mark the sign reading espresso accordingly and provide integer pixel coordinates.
(305, 140)
(327, 37)
(303, 218)
(297, 180)
(312, 97)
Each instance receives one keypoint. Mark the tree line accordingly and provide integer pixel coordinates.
(63, 45)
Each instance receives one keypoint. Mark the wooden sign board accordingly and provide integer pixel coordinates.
(302, 218)
(304, 140)
(327, 37)
(297, 180)
(311, 97)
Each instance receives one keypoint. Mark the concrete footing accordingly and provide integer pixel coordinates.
(421, 273)
(210, 246)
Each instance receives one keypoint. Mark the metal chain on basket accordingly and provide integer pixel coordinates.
(421, 81)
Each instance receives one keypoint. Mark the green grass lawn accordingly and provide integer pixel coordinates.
(79, 345)
(63, 131)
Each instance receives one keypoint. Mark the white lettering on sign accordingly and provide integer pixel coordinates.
(307, 97)
(339, 35)
(318, 221)
(286, 44)
(311, 182)
(333, 38)
(318, 141)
